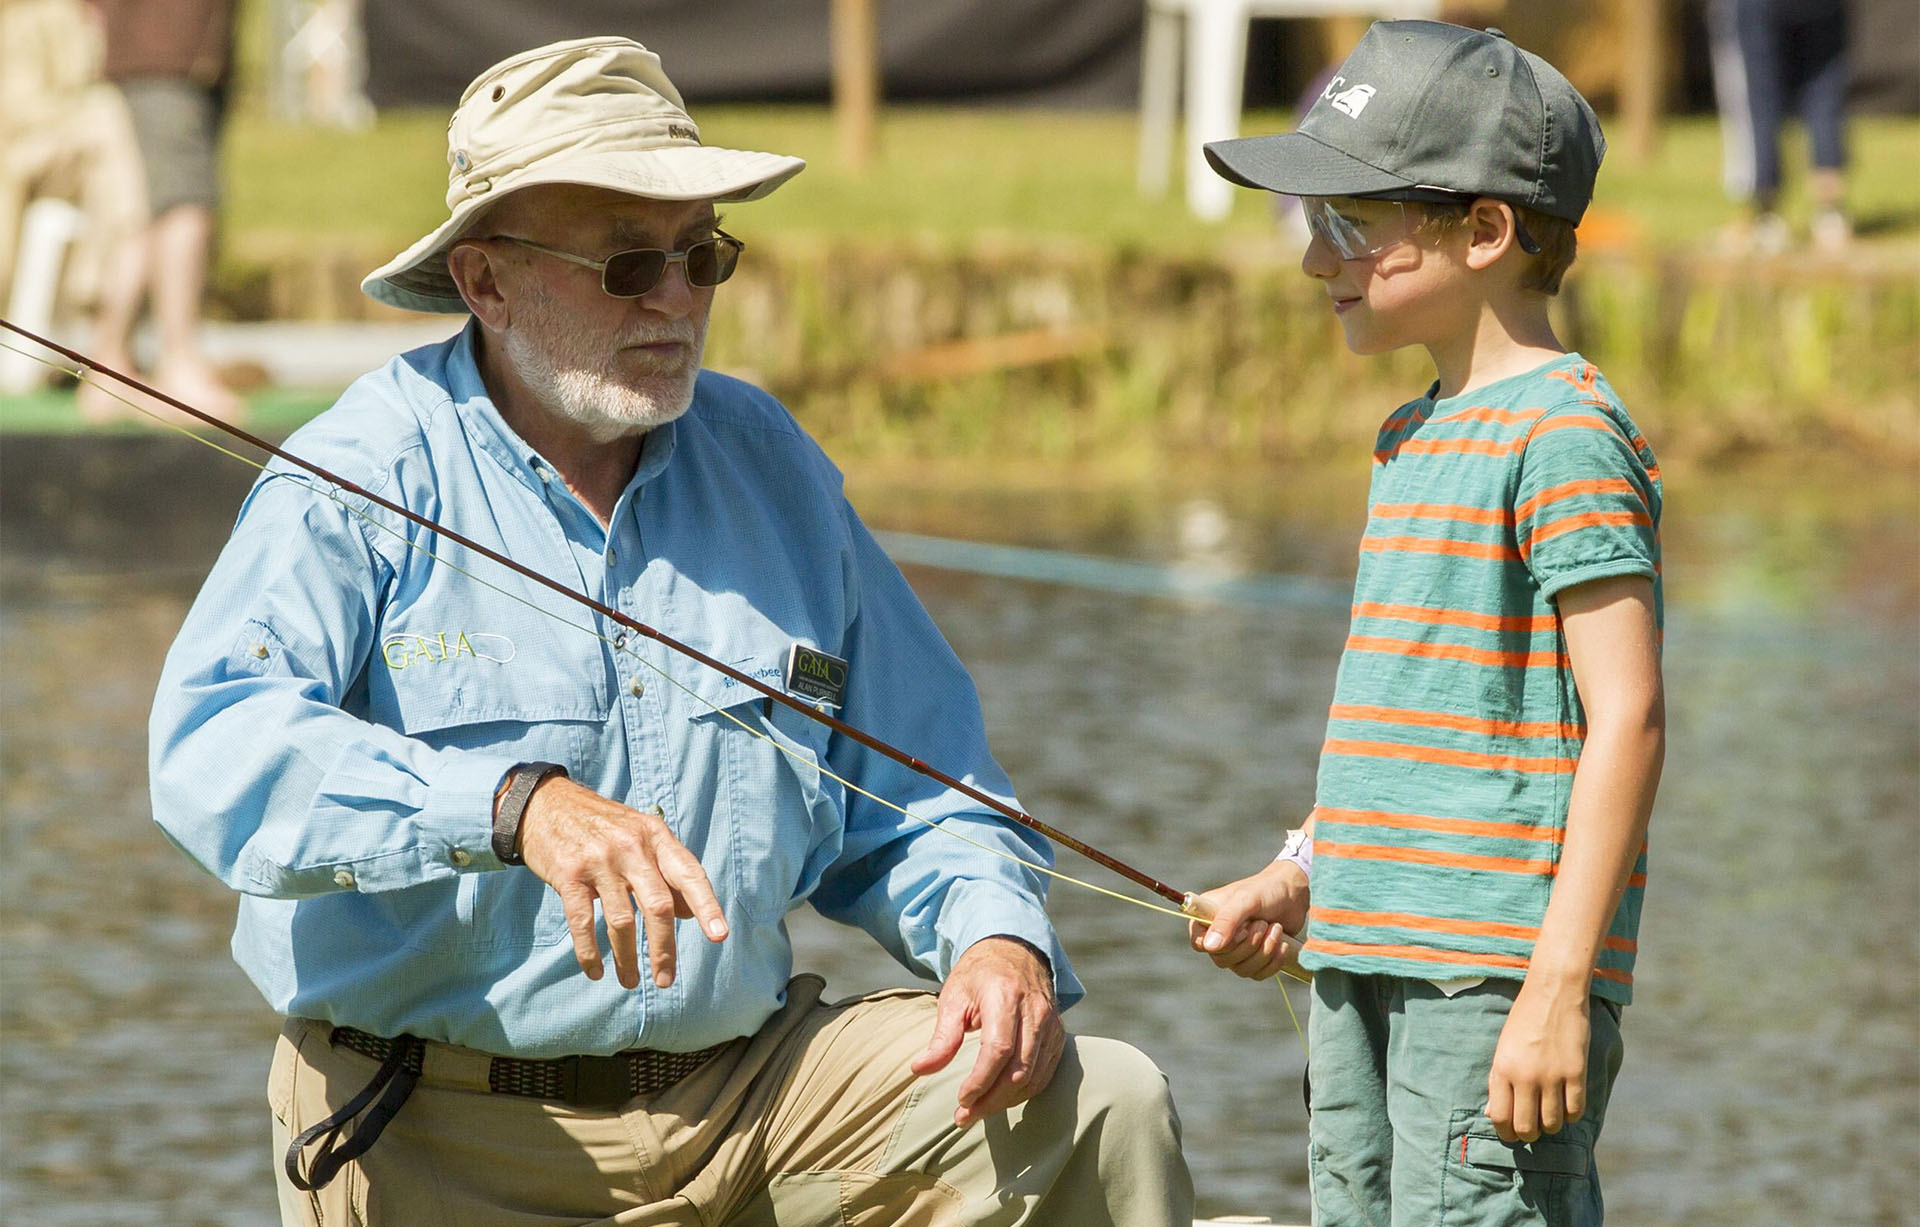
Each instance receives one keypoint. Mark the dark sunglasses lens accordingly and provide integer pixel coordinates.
(632, 273)
(712, 261)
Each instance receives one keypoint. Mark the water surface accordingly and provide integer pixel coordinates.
(1772, 1073)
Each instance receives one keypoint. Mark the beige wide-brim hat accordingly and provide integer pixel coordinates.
(592, 111)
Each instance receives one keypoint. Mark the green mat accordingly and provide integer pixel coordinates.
(271, 412)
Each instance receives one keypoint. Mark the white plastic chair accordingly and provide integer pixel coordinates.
(1216, 35)
(47, 229)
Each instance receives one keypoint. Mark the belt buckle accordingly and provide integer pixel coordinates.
(594, 1082)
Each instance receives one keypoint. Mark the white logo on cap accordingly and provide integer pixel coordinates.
(1351, 101)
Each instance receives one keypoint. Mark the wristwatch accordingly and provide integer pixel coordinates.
(511, 807)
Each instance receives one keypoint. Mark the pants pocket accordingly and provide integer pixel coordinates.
(1486, 1182)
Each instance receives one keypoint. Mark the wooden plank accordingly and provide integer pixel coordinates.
(856, 80)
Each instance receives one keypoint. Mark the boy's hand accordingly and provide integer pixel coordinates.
(1539, 1079)
(1253, 919)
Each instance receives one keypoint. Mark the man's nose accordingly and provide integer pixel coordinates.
(673, 294)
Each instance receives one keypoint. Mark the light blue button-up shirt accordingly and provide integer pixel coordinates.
(340, 707)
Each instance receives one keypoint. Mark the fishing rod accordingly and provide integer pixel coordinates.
(1188, 902)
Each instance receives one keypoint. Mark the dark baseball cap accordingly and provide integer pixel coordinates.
(1423, 106)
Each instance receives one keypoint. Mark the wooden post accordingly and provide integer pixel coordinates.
(1646, 55)
(856, 80)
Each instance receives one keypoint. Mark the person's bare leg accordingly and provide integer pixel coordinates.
(123, 288)
(182, 238)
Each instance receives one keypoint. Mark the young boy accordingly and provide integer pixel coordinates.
(1476, 849)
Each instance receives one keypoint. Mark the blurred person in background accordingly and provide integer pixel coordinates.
(424, 791)
(1770, 56)
(172, 61)
(64, 135)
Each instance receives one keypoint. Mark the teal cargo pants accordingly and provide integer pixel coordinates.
(1399, 1136)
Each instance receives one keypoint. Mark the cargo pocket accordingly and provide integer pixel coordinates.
(1490, 1183)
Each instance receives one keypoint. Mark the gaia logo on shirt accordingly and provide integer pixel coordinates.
(404, 651)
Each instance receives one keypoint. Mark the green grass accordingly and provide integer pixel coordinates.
(960, 177)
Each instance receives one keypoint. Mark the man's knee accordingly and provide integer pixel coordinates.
(1119, 1084)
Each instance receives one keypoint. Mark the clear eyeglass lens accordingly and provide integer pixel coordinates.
(1349, 238)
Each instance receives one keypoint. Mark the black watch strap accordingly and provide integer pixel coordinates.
(511, 808)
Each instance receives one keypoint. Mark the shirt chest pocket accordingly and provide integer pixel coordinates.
(773, 817)
(531, 694)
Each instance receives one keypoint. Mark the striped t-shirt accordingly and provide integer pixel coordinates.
(1455, 728)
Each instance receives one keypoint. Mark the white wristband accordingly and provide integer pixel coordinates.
(1298, 850)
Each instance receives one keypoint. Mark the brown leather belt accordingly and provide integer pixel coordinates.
(581, 1081)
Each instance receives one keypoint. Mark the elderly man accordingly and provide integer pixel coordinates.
(425, 787)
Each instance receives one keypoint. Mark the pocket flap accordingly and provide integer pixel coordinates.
(1549, 1155)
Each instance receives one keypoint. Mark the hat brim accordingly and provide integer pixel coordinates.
(417, 278)
(1296, 164)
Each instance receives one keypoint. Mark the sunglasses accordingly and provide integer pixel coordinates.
(629, 274)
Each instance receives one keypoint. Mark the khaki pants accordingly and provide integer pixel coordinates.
(814, 1121)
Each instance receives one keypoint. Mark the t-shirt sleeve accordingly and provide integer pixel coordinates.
(1586, 507)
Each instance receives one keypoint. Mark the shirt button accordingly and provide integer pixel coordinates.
(259, 650)
(343, 879)
(636, 688)
(613, 558)
(461, 858)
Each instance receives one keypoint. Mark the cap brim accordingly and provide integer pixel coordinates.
(1296, 164)
(417, 278)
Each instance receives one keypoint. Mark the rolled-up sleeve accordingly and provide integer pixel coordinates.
(257, 771)
(926, 894)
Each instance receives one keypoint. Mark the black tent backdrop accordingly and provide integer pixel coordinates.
(1054, 52)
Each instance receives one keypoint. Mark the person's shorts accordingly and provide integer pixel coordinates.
(177, 124)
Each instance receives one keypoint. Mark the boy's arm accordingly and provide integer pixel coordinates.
(1538, 1082)
(1252, 921)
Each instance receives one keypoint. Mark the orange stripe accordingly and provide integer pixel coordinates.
(1475, 827)
(1591, 421)
(1442, 511)
(1440, 924)
(1420, 954)
(1482, 413)
(1568, 489)
(1425, 856)
(1455, 617)
(1439, 545)
(1583, 380)
(1448, 758)
(1586, 519)
(1462, 724)
(1425, 924)
(1470, 447)
(1456, 651)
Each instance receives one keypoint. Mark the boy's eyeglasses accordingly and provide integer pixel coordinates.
(629, 274)
(1353, 238)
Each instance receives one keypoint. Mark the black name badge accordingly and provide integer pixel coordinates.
(816, 675)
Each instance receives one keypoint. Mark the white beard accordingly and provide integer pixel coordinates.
(574, 374)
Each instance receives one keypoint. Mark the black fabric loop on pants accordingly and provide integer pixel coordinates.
(397, 1076)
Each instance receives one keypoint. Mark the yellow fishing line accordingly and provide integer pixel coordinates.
(336, 496)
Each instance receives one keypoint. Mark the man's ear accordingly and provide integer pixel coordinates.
(476, 276)
(1490, 232)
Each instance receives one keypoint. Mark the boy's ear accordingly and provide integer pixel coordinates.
(1490, 232)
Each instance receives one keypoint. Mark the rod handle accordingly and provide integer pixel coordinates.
(1201, 910)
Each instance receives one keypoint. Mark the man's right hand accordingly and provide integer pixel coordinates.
(1252, 920)
(589, 848)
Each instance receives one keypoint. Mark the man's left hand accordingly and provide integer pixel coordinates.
(1003, 990)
